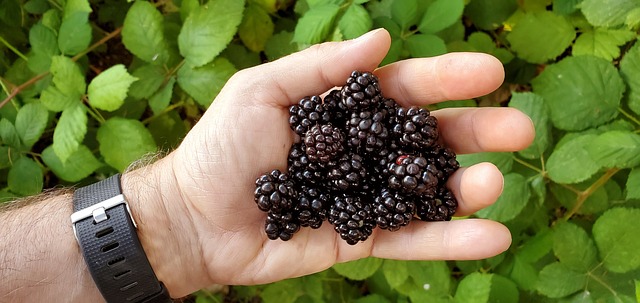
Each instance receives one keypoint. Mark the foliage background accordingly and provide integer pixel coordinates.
(84, 79)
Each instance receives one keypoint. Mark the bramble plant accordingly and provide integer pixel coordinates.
(83, 80)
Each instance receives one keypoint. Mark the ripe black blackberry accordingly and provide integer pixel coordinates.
(301, 169)
(312, 207)
(439, 208)
(352, 218)
(275, 192)
(332, 103)
(442, 162)
(361, 92)
(323, 142)
(281, 225)
(347, 173)
(367, 132)
(415, 128)
(307, 113)
(393, 210)
(408, 175)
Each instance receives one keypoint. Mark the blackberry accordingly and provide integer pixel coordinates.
(361, 92)
(301, 169)
(347, 173)
(332, 103)
(312, 207)
(352, 219)
(393, 210)
(323, 143)
(443, 162)
(281, 225)
(307, 113)
(408, 174)
(274, 192)
(440, 208)
(414, 127)
(366, 131)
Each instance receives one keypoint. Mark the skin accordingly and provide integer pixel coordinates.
(197, 219)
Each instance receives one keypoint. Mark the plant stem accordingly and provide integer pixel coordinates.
(582, 196)
(524, 163)
(597, 279)
(94, 113)
(13, 49)
(166, 110)
(629, 116)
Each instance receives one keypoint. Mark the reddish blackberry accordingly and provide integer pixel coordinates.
(408, 174)
(301, 169)
(332, 103)
(366, 131)
(361, 92)
(347, 173)
(414, 127)
(393, 210)
(352, 219)
(274, 192)
(440, 208)
(323, 142)
(312, 207)
(307, 113)
(281, 225)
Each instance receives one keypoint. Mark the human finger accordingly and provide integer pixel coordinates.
(476, 187)
(453, 76)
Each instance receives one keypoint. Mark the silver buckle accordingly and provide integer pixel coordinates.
(98, 212)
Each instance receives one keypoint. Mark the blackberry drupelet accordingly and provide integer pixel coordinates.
(393, 210)
(281, 225)
(312, 207)
(352, 218)
(332, 103)
(323, 143)
(367, 132)
(274, 192)
(415, 128)
(347, 173)
(301, 169)
(307, 113)
(443, 162)
(408, 175)
(440, 208)
(361, 92)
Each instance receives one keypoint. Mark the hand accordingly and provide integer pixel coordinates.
(210, 211)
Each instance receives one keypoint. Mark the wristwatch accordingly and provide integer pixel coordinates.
(106, 233)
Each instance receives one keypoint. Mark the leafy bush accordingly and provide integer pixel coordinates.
(82, 80)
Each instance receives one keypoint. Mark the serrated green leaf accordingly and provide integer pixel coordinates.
(256, 28)
(556, 280)
(208, 30)
(607, 13)
(108, 90)
(372, 298)
(358, 269)
(67, 77)
(536, 247)
(534, 107)
(316, 24)
(633, 18)
(503, 290)
(43, 40)
(38, 63)
(603, 43)
(514, 198)
(504, 161)
(482, 42)
(541, 36)
(78, 166)
(355, 22)
(70, 131)
(615, 233)
(9, 134)
(143, 33)
(432, 276)
(241, 57)
(160, 100)
(73, 6)
(440, 15)
(395, 272)
(490, 14)
(630, 71)
(474, 288)
(565, 7)
(592, 81)
(30, 123)
(204, 83)
(123, 141)
(54, 100)
(404, 12)
(596, 202)
(425, 45)
(36, 6)
(286, 291)
(571, 162)
(25, 177)
(280, 45)
(615, 148)
(633, 184)
(524, 274)
(573, 247)
(74, 35)
(150, 78)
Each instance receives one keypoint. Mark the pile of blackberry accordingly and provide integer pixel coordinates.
(362, 162)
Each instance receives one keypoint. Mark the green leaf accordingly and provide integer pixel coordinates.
(534, 107)
(358, 269)
(603, 43)
(54, 100)
(73, 6)
(474, 288)
(607, 13)
(483, 43)
(168, 130)
(503, 290)
(74, 35)
(565, 7)
(571, 162)
(425, 45)
(432, 276)
(630, 71)
(440, 15)
(504, 161)
(241, 57)
(108, 90)
(633, 18)
(573, 247)
(524, 274)
(541, 36)
(30, 123)
(536, 247)
(43, 40)
(637, 290)
(557, 280)
(7, 156)
(204, 83)
(490, 14)
(372, 298)
(150, 79)
(287, 291)
(615, 233)
(70, 131)
(256, 28)
(316, 24)
(514, 198)
(123, 141)
(209, 29)
(78, 166)
(355, 22)
(581, 92)
(615, 148)
(9, 134)
(280, 45)
(36, 6)
(25, 177)
(395, 272)
(143, 33)
(52, 20)
(160, 100)
(633, 184)
(404, 12)
(67, 77)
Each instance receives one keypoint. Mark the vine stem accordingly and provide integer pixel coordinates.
(628, 115)
(582, 196)
(13, 49)
(166, 110)
(39, 77)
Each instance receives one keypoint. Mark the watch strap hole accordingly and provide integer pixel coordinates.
(128, 286)
(121, 274)
(103, 232)
(109, 247)
(135, 296)
(116, 261)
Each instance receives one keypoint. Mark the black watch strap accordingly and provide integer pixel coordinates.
(107, 235)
